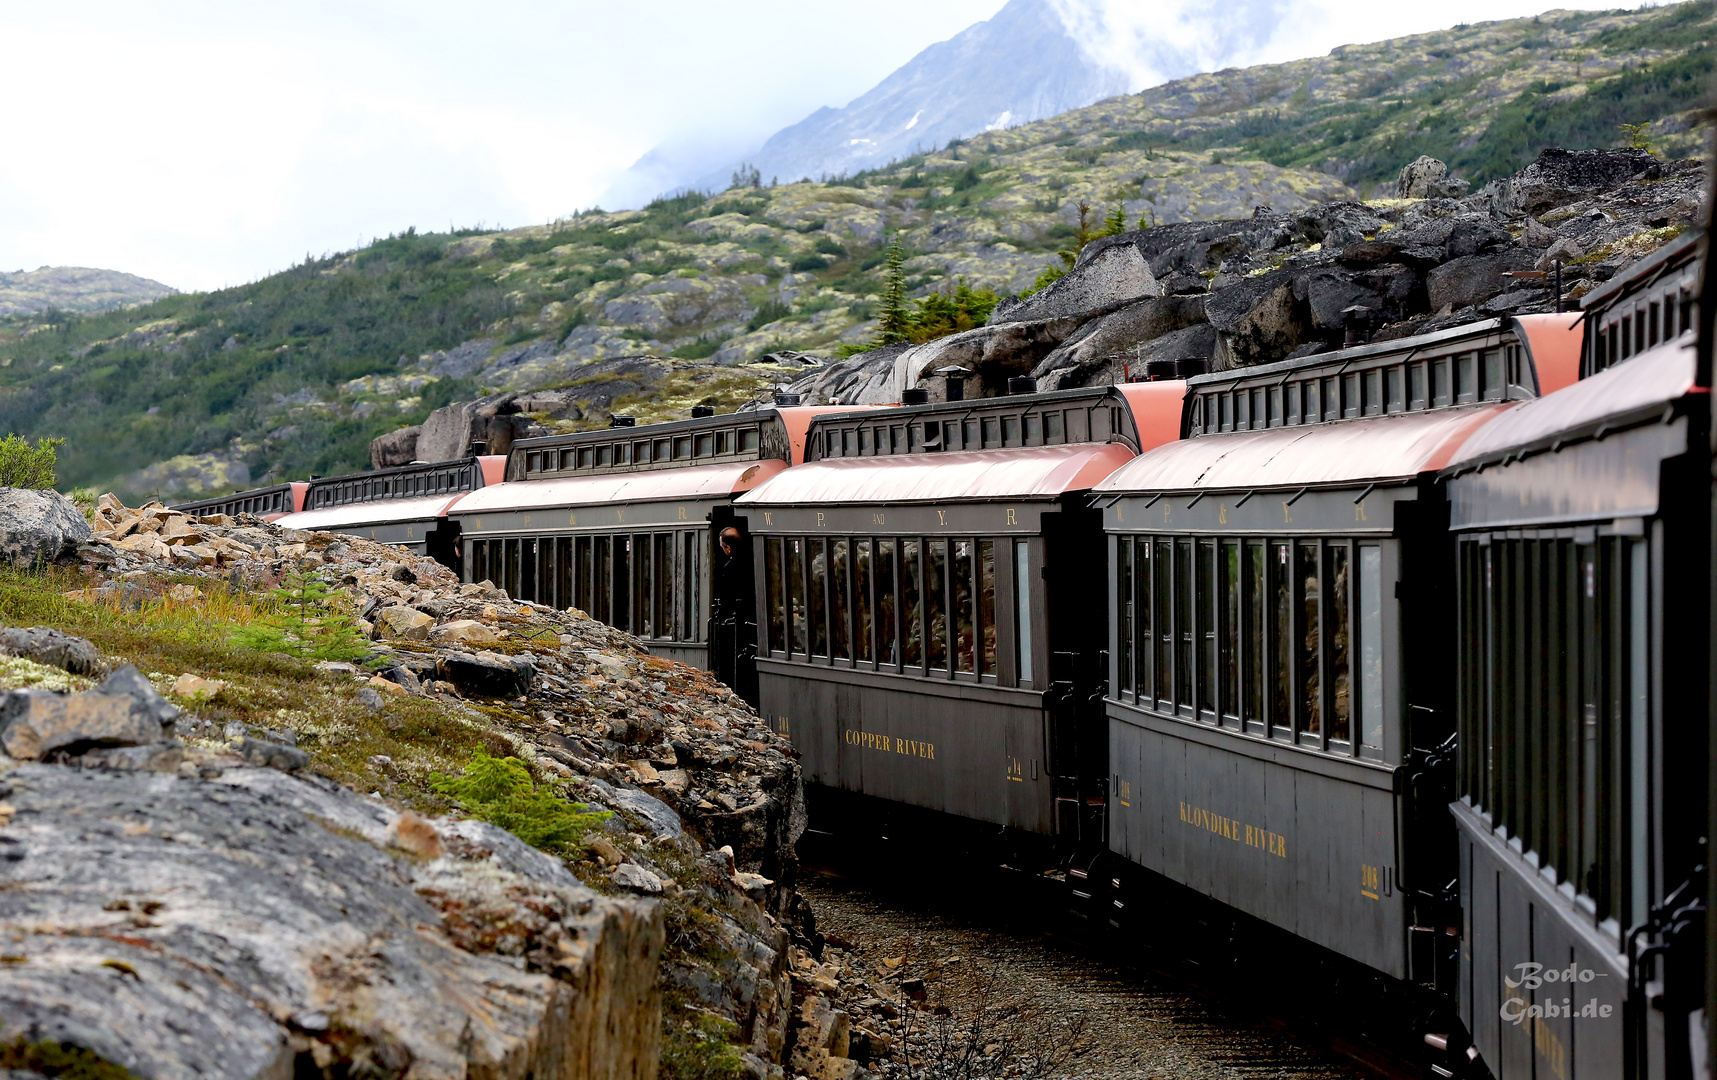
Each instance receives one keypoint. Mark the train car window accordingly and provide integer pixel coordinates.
(1205, 629)
(665, 585)
(965, 638)
(704, 445)
(1010, 431)
(478, 564)
(602, 581)
(748, 439)
(987, 607)
(772, 570)
(640, 453)
(1053, 431)
(1311, 685)
(1228, 614)
(643, 588)
(1143, 670)
(695, 569)
(1033, 430)
(1123, 616)
(840, 639)
(510, 573)
(1281, 642)
(581, 573)
(818, 608)
(1254, 595)
(604, 456)
(1022, 610)
(973, 439)
(886, 589)
(798, 643)
(1183, 625)
(862, 603)
(951, 435)
(936, 604)
(1371, 651)
(1638, 726)
(1163, 564)
(682, 447)
(911, 606)
(1336, 647)
(992, 432)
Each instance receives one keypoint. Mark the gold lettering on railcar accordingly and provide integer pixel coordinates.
(888, 744)
(1287, 515)
(1123, 791)
(526, 520)
(819, 519)
(1369, 877)
(1012, 519)
(572, 519)
(476, 523)
(941, 517)
(876, 519)
(682, 513)
(410, 532)
(768, 518)
(620, 515)
(1222, 513)
(1166, 510)
(1359, 511)
(780, 725)
(1238, 831)
(1016, 769)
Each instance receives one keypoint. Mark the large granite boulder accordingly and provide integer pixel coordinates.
(1428, 178)
(395, 448)
(495, 421)
(261, 925)
(1562, 176)
(39, 527)
(1110, 275)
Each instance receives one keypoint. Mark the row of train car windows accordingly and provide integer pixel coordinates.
(1045, 428)
(1417, 386)
(1275, 638)
(910, 605)
(702, 444)
(260, 504)
(393, 487)
(1640, 329)
(1553, 710)
(648, 584)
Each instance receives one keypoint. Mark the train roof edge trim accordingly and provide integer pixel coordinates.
(1553, 343)
(1032, 472)
(373, 512)
(1636, 392)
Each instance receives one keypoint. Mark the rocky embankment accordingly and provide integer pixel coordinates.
(1277, 285)
(192, 880)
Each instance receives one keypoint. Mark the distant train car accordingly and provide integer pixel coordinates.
(931, 599)
(269, 503)
(628, 525)
(1280, 700)
(406, 505)
(1583, 524)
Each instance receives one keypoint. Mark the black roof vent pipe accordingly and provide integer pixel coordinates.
(1022, 384)
(1156, 370)
(783, 399)
(622, 421)
(916, 395)
(1188, 366)
(701, 411)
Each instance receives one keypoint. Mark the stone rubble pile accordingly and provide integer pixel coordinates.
(708, 801)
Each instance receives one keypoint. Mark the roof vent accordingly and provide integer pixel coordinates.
(1188, 366)
(916, 395)
(1156, 370)
(618, 420)
(956, 381)
(478, 449)
(701, 411)
(1022, 384)
(783, 399)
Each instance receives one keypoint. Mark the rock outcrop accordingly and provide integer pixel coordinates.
(453, 430)
(39, 527)
(396, 448)
(255, 924)
(1269, 286)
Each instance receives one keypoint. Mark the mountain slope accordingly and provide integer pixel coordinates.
(295, 373)
(74, 288)
(1022, 65)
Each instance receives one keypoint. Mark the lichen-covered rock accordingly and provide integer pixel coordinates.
(264, 926)
(1428, 178)
(46, 645)
(395, 448)
(39, 527)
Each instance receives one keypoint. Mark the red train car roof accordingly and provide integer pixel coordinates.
(1637, 388)
(1553, 344)
(378, 512)
(1329, 454)
(693, 482)
(1034, 472)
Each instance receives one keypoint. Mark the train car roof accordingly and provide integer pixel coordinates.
(375, 512)
(1632, 392)
(1332, 454)
(1553, 344)
(717, 481)
(1031, 472)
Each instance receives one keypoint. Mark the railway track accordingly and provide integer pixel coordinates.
(993, 936)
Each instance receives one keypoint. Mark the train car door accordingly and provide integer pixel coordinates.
(733, 607)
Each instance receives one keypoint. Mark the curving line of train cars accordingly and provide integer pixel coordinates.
(1391, 661)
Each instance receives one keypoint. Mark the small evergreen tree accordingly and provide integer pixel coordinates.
(24, 466)
(894, 316)
(1116, 222)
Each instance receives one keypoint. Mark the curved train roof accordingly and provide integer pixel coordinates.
(692, 482)
(1029, 472)
(1619, 396)
(1377, 450)
(378, 512)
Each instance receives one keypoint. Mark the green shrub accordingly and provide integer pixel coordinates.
(501, 792)
(767, 312)
(806, 263)
(697, 350)
(828, 245)
(305, 622)
(24, 466)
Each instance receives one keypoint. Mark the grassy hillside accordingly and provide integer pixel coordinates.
(295, 373)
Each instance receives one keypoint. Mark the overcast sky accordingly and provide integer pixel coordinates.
(210, 143)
